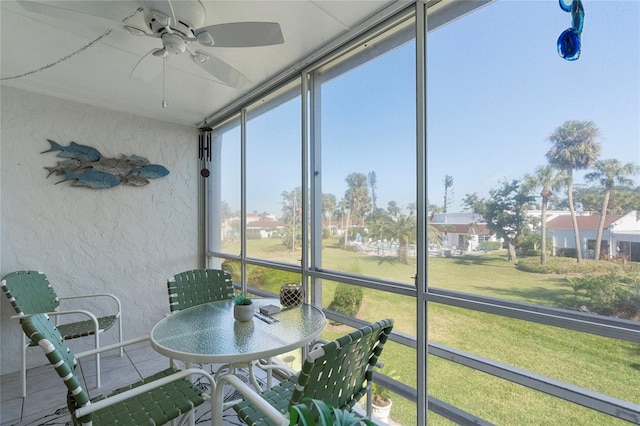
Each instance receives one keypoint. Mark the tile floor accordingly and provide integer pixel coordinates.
(46, 392)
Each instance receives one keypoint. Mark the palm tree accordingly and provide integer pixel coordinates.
(373, 181)
(608, 173)
(403, 229)
(549, 179)
(575, 147)
(448, 185)
(328, 206)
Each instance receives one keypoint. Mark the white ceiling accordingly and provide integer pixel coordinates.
(99, 74)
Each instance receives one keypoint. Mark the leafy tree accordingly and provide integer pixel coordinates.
(549, 179)
(622, 199)
(608, 173)
(504, 211)
(393, 208)
(412, 207)
(357, 197)
(225, 211)
(448, 192)
(433, 210)
(291, 216)
(575, 147)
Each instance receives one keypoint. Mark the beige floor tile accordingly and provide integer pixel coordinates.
(10, 410)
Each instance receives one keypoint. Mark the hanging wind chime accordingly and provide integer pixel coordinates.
(204, 150)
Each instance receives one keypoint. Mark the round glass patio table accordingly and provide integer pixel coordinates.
(208, 333)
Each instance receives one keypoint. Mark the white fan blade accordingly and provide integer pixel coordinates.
(221, 70)
(148, 66)
(114, 11)
(243, 34)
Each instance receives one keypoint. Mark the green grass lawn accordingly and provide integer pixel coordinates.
(600, 364)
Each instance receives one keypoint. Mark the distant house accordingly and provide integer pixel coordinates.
(621, 235)
(464, 231)
(259, 229)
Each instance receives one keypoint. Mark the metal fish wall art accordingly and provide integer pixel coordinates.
(86, 166)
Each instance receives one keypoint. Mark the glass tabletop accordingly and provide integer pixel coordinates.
(209, 333)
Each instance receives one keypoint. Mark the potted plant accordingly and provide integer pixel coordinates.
(242, 307)
(381, 399)
(312, 412)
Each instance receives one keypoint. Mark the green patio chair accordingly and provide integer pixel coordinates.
(30, 293)
(191, 288)
(155, 400)
(338, 373)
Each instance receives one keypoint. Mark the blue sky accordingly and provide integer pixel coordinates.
(497, 89)
(494, 104)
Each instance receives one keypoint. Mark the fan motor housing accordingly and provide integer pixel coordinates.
(188, 15)
(173, 43)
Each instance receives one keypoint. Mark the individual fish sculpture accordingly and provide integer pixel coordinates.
(136, 160)
(92, 179)
(135, 180)
(114, 166)
(74, 150)
(70, 164)
(152, 171)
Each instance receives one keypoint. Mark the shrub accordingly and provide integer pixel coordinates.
(256, 276)
(489, 245)
(610, 294)
(347, 299)
(564, 265)
(566, 252)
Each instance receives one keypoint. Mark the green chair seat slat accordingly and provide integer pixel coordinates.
(279, 396)
(198, 286)
(155, 407)
(85, 328)
(338, 373)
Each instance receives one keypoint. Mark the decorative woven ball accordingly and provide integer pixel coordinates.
(291, 294)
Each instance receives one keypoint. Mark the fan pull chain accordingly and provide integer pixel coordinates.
(164, 66)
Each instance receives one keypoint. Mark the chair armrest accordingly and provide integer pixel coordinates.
(111, 347)
(87, 296)
(250, 394)
(274, 365)
(91, 316)
(318, 343)
(103, 403)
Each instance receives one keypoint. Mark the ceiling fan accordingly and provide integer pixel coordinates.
(178, 24)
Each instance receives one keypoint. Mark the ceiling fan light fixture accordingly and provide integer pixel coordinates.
(173, 43)
(134, 30)
(199, 57)
(205, 39)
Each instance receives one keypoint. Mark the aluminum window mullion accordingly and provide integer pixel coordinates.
(421, 282)
(243, 199)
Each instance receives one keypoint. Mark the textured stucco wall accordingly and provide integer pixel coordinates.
(125, 240)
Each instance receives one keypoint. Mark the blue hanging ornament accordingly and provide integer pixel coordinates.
(569, 43)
